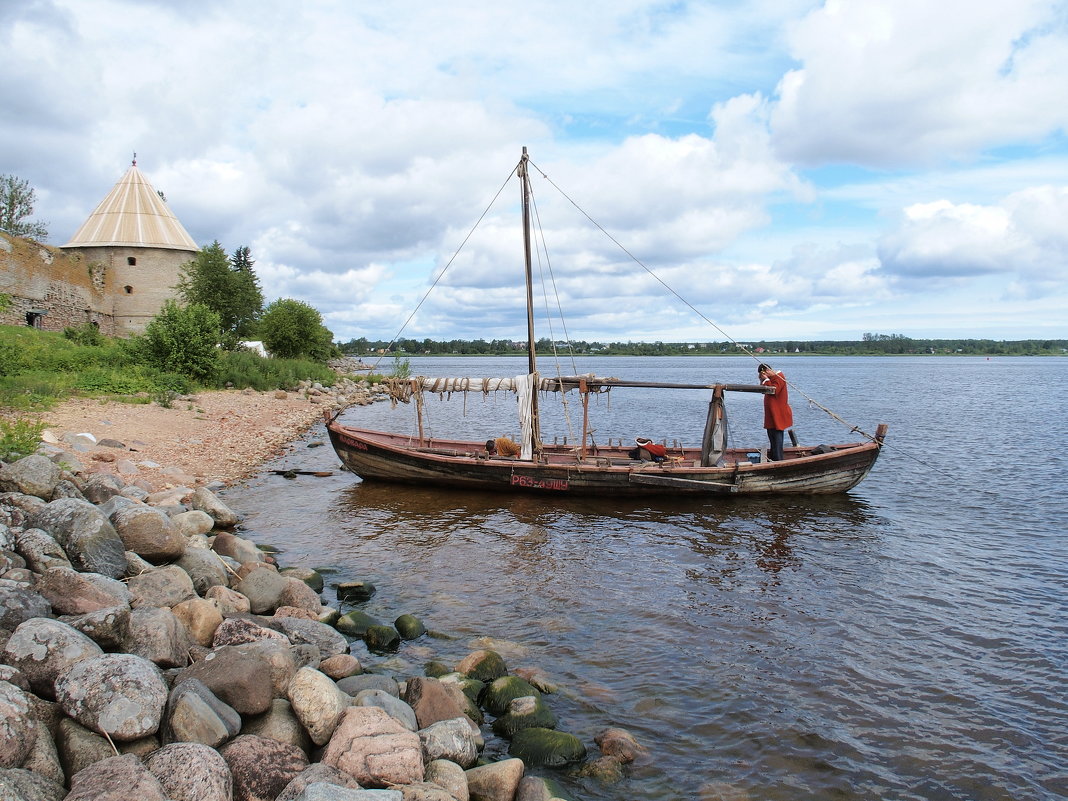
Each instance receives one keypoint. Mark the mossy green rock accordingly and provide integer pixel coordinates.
(537, 747)
(483, 665)
(472, 688)
(355, 623)
(381, 639)
(529, 713)
(409, 627)
(355, 590)
(435, 669)
(500, 692)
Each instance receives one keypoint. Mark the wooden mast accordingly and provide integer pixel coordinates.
(532, 367)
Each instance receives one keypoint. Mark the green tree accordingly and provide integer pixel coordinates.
(184, 340)
(17, 199)
(228, 289)
(247, 287)
(291, 329)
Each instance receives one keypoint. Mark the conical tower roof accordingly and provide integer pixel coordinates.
(132, 215)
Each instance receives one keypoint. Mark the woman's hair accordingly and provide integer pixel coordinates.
(762, 367)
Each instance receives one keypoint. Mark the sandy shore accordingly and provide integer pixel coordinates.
(213, 436)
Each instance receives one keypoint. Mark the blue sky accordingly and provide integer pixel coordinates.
(794, 169)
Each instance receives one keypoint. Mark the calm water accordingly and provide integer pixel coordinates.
(905, 641)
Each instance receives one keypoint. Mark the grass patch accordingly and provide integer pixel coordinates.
(40, 368)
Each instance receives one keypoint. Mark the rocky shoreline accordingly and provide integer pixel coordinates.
(148, 651)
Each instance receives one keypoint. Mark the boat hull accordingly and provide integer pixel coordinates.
(376, 455)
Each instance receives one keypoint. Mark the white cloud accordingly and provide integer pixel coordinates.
(1019, 237)
(892, 82)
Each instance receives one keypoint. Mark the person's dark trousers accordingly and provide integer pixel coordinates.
(775, 438)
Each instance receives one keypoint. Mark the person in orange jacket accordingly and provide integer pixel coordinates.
(778, 416)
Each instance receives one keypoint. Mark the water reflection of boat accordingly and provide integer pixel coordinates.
(713, 469)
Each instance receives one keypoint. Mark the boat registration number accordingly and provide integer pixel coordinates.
(540, 483)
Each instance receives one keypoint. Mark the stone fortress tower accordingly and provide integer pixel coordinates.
(138, 245)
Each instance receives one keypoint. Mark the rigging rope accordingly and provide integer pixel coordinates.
(445, 269)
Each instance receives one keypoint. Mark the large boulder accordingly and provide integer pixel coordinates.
(191, 772)
(19, 604)
(619, 744)
(327, 639)
(17, 729)
(318, 703)
(239, 630)
(31, 475)
(204, 500)
(279, 723)
(261, 767)
(396, 708)
(85, 534)
(121, 695)
(453, 740)
(317, 773)
(525, 712)
(148, 532)
(298, 594)
(156, 634)
(201, 619)
(109, 628)
(78, 747)
(205, 568)
(25, 785)
(281, 658)
(537, 747)
(74, 593)
(263, 587)
(447, 774)
(40, 550)
(313, 578)
(374, 748)
(354, 685)
(44, 649)
(196, 715)
(101, 487)
(431, 701)
(118, 778)
(499, 693)
(164, 586)
(193, 522)
(484, 665)
(228, 601)
(237, 548)
(241, 680)
(497, 781)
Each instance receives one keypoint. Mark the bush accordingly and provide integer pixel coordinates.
(291, 329)
(86, 334)
(183, 340)
(10, 359)
(247, 369)
(20, 436)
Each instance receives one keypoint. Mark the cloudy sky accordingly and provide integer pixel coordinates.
(793, 169)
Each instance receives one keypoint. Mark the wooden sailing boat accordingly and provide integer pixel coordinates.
(587, 468)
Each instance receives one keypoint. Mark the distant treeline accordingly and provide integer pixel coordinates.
(869, 345)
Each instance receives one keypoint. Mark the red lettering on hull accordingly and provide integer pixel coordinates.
(530, 482)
